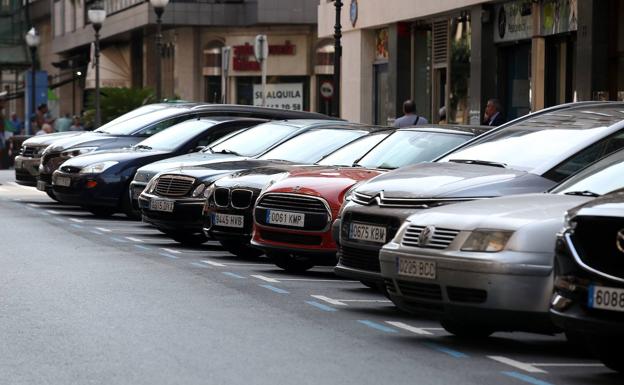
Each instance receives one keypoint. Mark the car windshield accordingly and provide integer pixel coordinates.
(176, 136)
(535, 141)
(348, 154)
(130, 126)
(410, 147)
(326, 140)
(129, 115)
(254, 141)
(600, 178)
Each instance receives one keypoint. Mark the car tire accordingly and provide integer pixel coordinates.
(241, 250)
(608, 350)
(466, 330)
(292, 263)
(102, 212)
(187, 239)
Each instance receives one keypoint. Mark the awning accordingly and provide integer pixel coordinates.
(114, 68)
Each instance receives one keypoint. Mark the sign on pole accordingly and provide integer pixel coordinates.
(225, 69)
(261, 50)
(288, 96)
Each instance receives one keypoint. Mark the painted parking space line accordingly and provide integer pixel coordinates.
(96, 232)
(217, 264)
(54, 212)
(133, 239)
(23, 187)
(316, 280)
(167, 255)
(320, 306)
(234, 275)
(103, 229)
(412, 329)
(2, 189)
(275, 289)
(76, 226)
(34, 205)
(142, 247)
(266, 279)
(517, 364)
(525, 378)
(197, 264)
(329, 300)
(76, 220)
(61, 220)
(568, 365)
(119, 240)
(377, 326)
(171, 250)
(444, 349)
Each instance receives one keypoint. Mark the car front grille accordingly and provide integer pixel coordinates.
(433, 237)
(595, 241)
(428, 291)
(30, 151)
(296, 239)
(462, 294)
(236, 198)
(414, 203)
(293, 202)
(221, 196)
(173, 185)
(361, 259)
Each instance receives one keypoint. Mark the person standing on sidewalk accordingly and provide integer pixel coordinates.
(410, 117)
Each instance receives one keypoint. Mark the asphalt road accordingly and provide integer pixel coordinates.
(111, 301)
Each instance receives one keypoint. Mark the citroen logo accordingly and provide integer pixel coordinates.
(619, 241)
(425, 235)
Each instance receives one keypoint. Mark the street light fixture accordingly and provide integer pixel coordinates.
(32, 40)
(159, 8)
(97, 15)
(337, 56)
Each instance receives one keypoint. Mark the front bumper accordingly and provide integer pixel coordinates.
(136, 188)
(186, 214)
(105, 193)
(225, 233)
(26, 170)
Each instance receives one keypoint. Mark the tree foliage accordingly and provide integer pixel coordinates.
(115, 102)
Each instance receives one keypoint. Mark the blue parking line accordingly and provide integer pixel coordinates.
(142, 247)
(320, 306)
(233, 274)
(118, 240)
(275, 289)
(197, 264)
(450, 352)
(75, 225)
(59, 220)
(525, 378)
(169, 255)
(377, 326)
(96, 232)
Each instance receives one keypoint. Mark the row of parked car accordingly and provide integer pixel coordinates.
(517, 228)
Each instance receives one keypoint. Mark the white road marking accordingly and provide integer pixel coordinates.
(103, 229)
(246, 264)
(33, 205)
(214, 263)
(171, 250)
(329, 300)
(23, 187)
(266, 279)
(134, 239)
(567, 365)
(53, 212)
(2, 189)
(76, 220)
(366, 300)
(411, 329)
(517, 364)
(315, 280)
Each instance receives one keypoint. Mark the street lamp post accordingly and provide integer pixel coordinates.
(159, 8)
(32, 40)
(96, 15)
(337, 56)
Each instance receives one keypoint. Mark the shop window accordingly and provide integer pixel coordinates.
(457, 110)
(212, 71)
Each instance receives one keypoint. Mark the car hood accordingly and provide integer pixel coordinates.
(87, 139)
(453, 180)
(608, 205)
(258, 178)
(46, 140)
(210, 172)
(330, 183)
(187, 160)
(122, 155)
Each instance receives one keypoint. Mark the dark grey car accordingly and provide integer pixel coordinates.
(531, 154)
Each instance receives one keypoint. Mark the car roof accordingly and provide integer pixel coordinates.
(459, 129)
(315, 123)
(262, 111)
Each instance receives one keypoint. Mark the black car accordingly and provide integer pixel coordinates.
(131, 131)
(100, 181)
(589, 277)
(178, 211)
(222, 203)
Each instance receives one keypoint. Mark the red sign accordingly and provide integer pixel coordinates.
(244, 59)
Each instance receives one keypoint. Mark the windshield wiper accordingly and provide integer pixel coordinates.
(229, 152)
(584, 193)
(479, 162)
(142, 146)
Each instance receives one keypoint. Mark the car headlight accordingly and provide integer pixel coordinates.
(349, 194)
(198, 190)
(151, 185)
(77, 151)
(40, 151)
(568, 222)
(485, 240)
(142, 177)
(209, 190)
(98, 167)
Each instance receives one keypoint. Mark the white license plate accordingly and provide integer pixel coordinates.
(226, 220)
(161, 205)
(606, 298)
(18, 163)
(62, 181)
(286, 218)
(411, 267)
(369, 233)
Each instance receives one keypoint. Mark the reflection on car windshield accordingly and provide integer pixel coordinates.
(129, 115)
(410, 147)
(326, 140)
(348, 154)
(175, 136)
(130, 126)
(600, 178)
(255, 140)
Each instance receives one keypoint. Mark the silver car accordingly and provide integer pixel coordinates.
(486, 266)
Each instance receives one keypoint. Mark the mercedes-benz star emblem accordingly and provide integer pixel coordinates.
(619, 241)
(425, 235)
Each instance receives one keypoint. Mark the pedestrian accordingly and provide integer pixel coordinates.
(442, 114)
(45, 129)
(63, 123)
(493, 115)
(76, 124)
(17, 124)
(410, 117)
(4, 153)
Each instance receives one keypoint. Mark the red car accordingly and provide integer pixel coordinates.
(293, 217)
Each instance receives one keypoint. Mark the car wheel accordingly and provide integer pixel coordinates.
(188, 239)
(608, 350)
(51, 195)
(292, 263)
(467, 330)
(241, 250)
(126, 205)
(100, 211)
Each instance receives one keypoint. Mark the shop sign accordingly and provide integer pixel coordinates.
(559, 16)
(513, 21)
(245, 60)
(288, 96)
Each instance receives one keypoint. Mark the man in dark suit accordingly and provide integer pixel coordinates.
(493, 115)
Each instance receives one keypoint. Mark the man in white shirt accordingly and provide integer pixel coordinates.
(410, 118)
